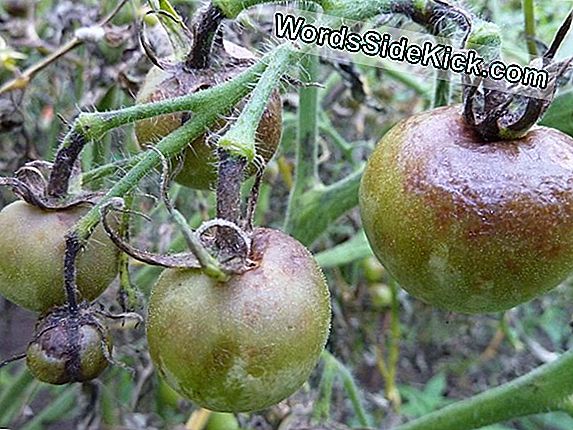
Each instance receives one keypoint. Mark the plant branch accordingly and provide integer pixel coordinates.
(545, 389)
(306, 172)
(205, 25)
(320, 207)
(240, 139)
(224, 97)
(92, 126)
(529, 16)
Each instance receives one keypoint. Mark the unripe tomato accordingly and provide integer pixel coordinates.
(68, 349)
(466, 225)
(199, 169)
(222, 421)
(248, 343)
(32, 247)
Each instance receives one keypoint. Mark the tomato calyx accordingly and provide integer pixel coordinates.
(221, 247)
(30, 184)
(498, 111)
(233, 254)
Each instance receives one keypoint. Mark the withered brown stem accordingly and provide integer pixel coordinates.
(205, 25)
(73, 248)
(252, 201)
(63, 166)
(231, 170)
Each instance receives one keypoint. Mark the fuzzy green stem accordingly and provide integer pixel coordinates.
(423, 12)
(239, 140)
(109, 169)
(209, 264)
(529, 16)
(545, 389)
(394, 348)
(321, 410)
(127, 292)
(92, 126)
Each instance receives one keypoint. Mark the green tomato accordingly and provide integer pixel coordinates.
(32, 246)
(222, 421)
(467, 225)
(248, 343)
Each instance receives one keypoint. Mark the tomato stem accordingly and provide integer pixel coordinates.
(73, 248)
(545, 389)
(205, 25)
(231, 171)
(239, 140)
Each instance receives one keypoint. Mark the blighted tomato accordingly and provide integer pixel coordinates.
(248, 343)
(199, 169)
(32, 247)
(68, 348)
(465, 225)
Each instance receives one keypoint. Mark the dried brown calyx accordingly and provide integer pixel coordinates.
(30, 184)
(499, 111)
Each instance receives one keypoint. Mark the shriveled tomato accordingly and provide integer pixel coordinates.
(247, 343)
(68, 347)
(467, 225)
(32, 246)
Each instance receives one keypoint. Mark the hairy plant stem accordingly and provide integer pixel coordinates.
(92, 126)
(319, 207)
(231, 171)
(545, 389)
(389, 366)
(349, 386)
(427, 13)
(127, 293)
(240, 139)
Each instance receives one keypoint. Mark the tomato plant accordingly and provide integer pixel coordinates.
(242, 271)
(198, 168)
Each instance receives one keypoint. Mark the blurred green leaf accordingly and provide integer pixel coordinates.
(422, 402)
(560, 113)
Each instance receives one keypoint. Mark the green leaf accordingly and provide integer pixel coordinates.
(422, 402)
(560, 113)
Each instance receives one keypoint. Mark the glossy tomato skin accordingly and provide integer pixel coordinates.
(469, 226)
(199, 169)
(32, 247)
(248, 343)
